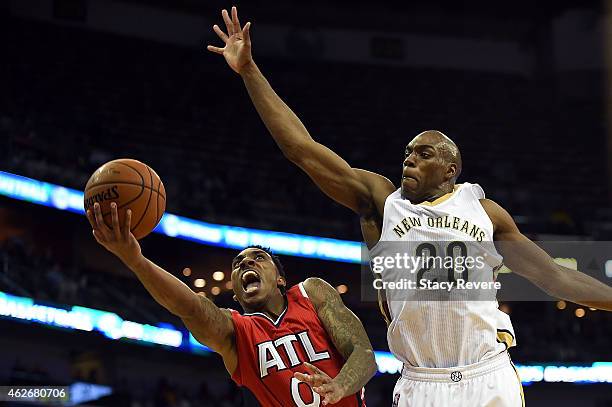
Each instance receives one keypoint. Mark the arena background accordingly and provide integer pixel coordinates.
(522, 87)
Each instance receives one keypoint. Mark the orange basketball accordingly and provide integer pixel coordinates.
(132, 185)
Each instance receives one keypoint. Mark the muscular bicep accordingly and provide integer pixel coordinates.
(213, 327)
(342, 325)
(356, 189)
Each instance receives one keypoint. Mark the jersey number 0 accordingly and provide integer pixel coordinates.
(297, 399)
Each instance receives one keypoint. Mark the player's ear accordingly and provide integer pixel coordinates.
(281, 282)
(451, 171)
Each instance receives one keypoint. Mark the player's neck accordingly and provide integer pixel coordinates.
(275, 306)
(435, 194)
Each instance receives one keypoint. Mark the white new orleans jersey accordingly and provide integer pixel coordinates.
(442, 328)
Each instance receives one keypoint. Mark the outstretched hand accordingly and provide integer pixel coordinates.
(237, 49)
(119, 241)
(322, 384)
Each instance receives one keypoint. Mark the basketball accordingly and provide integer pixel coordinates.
(131, 185)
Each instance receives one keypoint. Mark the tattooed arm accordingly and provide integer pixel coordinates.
(208, 323)
(213, 326)
(349, 337)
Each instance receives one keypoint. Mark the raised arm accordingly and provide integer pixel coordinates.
(349, 337)
(208, 323)
(359, 190)
(526, 259)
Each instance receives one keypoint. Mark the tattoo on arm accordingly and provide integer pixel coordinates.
(348, 335)
(211, 325)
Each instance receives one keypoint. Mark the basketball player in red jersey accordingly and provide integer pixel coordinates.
(287, 343)
(454, 352)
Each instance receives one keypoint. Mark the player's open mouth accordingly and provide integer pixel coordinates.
(250, 281)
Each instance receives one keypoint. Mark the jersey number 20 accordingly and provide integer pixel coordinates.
(427, 251)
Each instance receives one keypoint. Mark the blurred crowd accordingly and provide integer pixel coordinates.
(32, 271)
(68, 106)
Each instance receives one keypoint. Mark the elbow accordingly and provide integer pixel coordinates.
(546, 285)
(558, 284)
(294, 153)
(298, 151)
(186, 309)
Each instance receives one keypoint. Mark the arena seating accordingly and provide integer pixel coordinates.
(187, 115)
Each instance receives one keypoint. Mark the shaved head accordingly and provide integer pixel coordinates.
(431, 166)
(446, 146)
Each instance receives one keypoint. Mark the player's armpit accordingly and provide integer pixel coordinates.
(213, 327)
(346, 332)
(527, 259)
(359, 190)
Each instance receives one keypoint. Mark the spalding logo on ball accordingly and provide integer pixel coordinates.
(132, 185)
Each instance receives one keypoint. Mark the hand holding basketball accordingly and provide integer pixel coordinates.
(237, 49)
(129, 184)
(118, 240)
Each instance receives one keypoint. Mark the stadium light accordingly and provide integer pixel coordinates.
(67, 199)
(115, 328)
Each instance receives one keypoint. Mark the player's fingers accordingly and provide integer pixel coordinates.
(216, 50)
(228, 22)
(235, 20)
(102, 228)
(90, 218)
(303, 377)
(330, 398)
(246, 33)
(115, 221)
(127, 227)
(220, 33)
(314, 369)
(312, 379)
(319, 379)
(324, 388)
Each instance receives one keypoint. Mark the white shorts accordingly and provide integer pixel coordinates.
(490, 383)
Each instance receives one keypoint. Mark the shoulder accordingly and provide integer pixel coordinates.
(232, 314)
(239, 320)
(319, 291)
(501, 219)
(375, 180)
(379, 187)
(315, 287)
(490, 206)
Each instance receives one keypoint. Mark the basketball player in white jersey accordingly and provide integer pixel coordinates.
(454, 352)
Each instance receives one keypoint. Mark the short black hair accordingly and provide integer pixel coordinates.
(275, 259)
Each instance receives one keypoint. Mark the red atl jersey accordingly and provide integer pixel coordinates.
(269, 352)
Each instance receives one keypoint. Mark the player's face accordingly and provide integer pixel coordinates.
(424, 168)
(255, 278)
